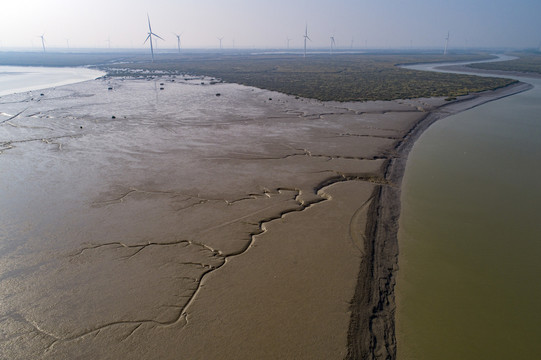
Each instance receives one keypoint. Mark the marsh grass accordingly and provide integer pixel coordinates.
(342, 77)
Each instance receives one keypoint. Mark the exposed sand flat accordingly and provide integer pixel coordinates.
(146, 223)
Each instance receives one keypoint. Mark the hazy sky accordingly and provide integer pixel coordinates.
(266, 24)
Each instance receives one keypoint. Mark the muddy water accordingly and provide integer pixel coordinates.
(14, 79)
(468, 285)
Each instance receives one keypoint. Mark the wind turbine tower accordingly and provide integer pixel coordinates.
(288, 40)
(149, 37)
(333, 43)
(178, 41)
(446, 44)
(306, 37)
(220, 39)
(42, 36)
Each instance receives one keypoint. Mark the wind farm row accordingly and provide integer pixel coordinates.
(152, 40)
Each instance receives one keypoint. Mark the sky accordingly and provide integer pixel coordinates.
(260, 24)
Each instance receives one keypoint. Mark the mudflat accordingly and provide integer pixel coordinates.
(170, 217)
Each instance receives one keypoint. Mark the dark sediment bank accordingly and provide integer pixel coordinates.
(371, 332)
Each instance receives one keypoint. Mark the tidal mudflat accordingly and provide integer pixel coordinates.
(172, 218)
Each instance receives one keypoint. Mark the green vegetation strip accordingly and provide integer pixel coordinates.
(341, 77)
(525, 63)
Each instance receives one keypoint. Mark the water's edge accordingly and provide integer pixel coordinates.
(373, 305)
(42, 78)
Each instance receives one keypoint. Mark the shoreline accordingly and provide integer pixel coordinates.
(42, 79)
(373, 304)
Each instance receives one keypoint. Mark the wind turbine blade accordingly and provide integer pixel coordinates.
(148, 37)
(159, 37)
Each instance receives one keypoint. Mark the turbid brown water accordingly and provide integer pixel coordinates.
(147, 223)
(469, 247)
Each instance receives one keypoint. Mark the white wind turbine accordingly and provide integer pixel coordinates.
(288, 40)
(149, 37)
(42, 36)
(333, 43)
(220, 40)
(306, 37)
(178, 41)
(446, 44)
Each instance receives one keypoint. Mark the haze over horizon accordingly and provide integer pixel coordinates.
(268, 24)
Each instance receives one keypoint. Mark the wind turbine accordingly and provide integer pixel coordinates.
(333, 43)
(108, 41)
(42, 36)
(149, 37)
(446, 44)
(306, 37)
(220, 39)
(178, 41)
(288, 40)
